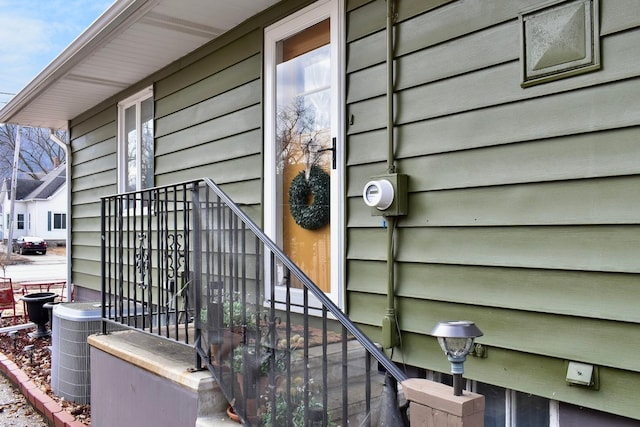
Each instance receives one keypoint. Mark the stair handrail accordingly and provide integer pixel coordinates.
(339, 315)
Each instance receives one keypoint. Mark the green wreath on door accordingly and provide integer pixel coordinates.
(309, 198)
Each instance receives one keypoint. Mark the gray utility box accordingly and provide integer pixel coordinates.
(72, 324)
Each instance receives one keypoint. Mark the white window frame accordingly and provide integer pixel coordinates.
(293, 24)
(137, 100)
(511, 410)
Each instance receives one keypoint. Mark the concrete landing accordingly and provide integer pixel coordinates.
(146, 379)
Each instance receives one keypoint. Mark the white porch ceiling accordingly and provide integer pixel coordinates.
(130, 41)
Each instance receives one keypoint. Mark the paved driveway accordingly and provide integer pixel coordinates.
(40, 268)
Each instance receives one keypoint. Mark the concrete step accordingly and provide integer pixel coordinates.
(216, 420)
(355, 379)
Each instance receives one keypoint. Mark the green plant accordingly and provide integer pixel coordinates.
(233, 312)
(259, 364)
(281, 410)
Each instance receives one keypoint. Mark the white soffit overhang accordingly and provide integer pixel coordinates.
(130, 41)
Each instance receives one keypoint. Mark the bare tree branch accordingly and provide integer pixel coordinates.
(39, 154)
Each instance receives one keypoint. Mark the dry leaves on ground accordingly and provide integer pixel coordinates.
(37, 365)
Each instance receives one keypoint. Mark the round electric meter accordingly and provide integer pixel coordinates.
(378, 194)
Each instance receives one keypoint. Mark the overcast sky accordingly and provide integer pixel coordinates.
(34, 32)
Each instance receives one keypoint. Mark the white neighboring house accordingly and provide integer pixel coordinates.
(40, 208)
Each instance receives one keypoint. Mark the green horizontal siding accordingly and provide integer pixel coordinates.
(89, 128)
(235, 170)
(220, 105)
(523, 203)
(232, 147)
(94, 152)
(521, 121)
(87, 277)
(588, 201)
(615, 16)
(225, 58)
(98, 179)
(93, 194)
(231, 124)
(93, 175)
(515, 329)
(455, 20)
(87, 169)
(90, 256)
(538, 290)
(86, 210)
(214, 85)
(367, 18)
(595, 248)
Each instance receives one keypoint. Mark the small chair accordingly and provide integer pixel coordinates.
(7, 299)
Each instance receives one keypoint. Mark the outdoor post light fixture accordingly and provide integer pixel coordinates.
(28, 350)
(12, 335)
(456, 339)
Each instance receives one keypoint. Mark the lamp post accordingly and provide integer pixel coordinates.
(456, 339)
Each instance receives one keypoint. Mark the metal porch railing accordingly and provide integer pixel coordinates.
(186, 263)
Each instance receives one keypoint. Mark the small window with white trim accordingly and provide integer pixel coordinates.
(511, 408)
(136, 142)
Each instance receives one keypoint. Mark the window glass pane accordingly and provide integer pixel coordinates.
(131, 144)
(146, 166)
(303, 133)
(495, 404)
(531, 411)
(59, 221)
(20, 221)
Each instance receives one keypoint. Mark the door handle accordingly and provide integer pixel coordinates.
(333, 152)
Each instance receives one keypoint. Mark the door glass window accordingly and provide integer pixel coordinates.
(303, 126)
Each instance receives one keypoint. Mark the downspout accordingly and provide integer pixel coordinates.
(67, 150)
(389, 323)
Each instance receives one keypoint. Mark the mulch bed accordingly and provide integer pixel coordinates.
(37, 365)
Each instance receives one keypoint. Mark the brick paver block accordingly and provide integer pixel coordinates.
(18, 376)
(38, 398)
(51, 408)
(25, 384)
(61, 418)
(11, 367)
(75, 424)
(21, 378)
